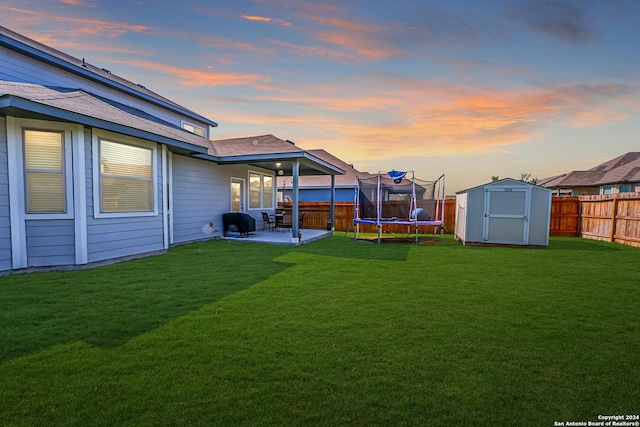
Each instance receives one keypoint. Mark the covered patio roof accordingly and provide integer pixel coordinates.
(272, 153)
(280, 156)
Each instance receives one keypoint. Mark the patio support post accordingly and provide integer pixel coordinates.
(294, 198)
(333, 202)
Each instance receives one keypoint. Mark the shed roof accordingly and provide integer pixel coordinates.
(504, 181)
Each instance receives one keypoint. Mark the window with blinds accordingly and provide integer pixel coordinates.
(126, 178)
(44, 172)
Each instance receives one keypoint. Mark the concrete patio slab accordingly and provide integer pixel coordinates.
(280, 237)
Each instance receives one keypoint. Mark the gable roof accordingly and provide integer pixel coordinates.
(624, 168)
(36, 101)
(31, 48)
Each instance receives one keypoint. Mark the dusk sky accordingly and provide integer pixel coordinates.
(469, 88)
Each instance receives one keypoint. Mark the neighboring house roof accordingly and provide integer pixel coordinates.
(51, 56)
(579, 179)
(624, 168)
(550, 181)
(37, 101)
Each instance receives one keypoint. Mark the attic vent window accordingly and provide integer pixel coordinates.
(189, 127)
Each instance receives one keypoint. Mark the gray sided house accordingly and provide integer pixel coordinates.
(95, 168)
(504, 212)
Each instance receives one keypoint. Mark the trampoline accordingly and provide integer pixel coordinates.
(396, 200)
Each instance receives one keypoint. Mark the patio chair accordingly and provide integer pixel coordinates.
(279, 217)
(267, 221)
(286, 220)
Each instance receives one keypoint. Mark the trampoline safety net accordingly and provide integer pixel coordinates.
(391, 197)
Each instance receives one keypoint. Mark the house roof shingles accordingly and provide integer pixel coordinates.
(84, 105)
(624, 168)
(262, 144)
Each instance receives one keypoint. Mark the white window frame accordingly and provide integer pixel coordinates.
(185, 123)
(99, 134)
(274, 190)
(67, 169)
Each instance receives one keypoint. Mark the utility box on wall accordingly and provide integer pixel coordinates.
(504, 212)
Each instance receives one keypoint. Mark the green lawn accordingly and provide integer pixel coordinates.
(332, 333)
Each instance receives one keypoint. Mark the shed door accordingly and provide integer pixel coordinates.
(506, 216)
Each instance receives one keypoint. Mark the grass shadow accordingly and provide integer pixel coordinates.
(107, 306)
(350, 248)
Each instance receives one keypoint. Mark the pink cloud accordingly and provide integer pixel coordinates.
(77, 3)
(75, 26)
(266, 19)
(188, 77)
(402, 119)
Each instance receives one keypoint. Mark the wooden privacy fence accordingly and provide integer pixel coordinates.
(614, 218)
(565, 217)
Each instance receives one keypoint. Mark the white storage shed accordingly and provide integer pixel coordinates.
(504, 212)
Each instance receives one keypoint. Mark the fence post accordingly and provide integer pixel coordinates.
(614, 214)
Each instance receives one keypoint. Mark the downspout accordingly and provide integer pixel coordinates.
(165, 196)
